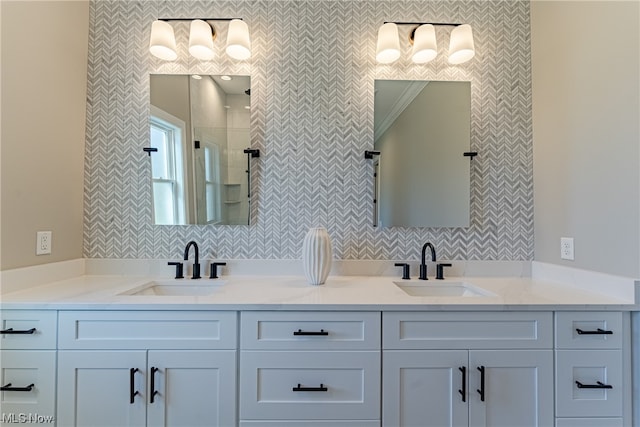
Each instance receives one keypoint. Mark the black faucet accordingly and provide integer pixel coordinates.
(423, 265)
(196, 263)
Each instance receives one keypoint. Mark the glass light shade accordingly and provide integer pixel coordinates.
(425, 47)
(238, 42)
(201, 40)
(162, 43)
(388, 46)
(461, 47)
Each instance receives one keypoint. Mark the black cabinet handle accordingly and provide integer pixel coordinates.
(11, 331)
(132, 387)
(312, 333)
(463, 391)
(321, 388)
(481, 389)
(596, 332)
(9, 388)
(597, 385)
(152, 385)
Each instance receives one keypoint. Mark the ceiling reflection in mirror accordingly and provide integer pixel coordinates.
(422, 130)
(200, 126)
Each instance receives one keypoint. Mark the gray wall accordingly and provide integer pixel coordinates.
(586, 133)
(44, 105)
(312, 72)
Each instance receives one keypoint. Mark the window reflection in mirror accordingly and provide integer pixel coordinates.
(200, 127)
(422, 130)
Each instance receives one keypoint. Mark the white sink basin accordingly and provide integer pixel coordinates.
(437, 288)
(182, 287)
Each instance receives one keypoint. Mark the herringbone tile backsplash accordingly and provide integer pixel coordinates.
(312, 74)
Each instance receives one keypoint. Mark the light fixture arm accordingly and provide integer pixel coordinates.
(214, 33)
(193, 19)
(417, 24)
(422, 23)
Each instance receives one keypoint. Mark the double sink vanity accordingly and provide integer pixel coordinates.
(271, 350)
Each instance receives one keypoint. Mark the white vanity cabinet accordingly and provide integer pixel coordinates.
(147, 368)
(306, 368)
(590, 384)
(27, 366)
(467, 369)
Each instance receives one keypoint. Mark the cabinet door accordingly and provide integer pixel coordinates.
(424, 388)
(99, 388)
(28, 378)
(517, 386)
(192, 388)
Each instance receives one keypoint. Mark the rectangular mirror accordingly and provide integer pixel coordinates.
(200, 126)
(422, 130)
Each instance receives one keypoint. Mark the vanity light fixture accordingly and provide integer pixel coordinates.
(201, 40)
(162, 43)
(238, 43)
(423, 39)
(388, 46)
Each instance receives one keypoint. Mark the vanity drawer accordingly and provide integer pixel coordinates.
(194, 330)
(310, 385)
(28, 329)
(304, 330)
(589, 329)
(589, 368)
(31, 378)
(464, 330)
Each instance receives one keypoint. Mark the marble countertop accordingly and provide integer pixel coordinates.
(291, 292)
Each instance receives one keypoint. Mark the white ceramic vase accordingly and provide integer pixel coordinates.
(316, 255)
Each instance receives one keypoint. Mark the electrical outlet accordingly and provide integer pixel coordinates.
(43, 243)
(566, 248)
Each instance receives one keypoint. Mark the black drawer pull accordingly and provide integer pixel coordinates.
(596, 332)
(481, 389)
(152, 385)
(312, 333)
(132, 386)
(9, 388)
(463, 391)
(597, 385)
(11, 331)
(321, 388)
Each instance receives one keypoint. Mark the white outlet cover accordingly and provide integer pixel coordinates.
(43, 243)
(566, 248)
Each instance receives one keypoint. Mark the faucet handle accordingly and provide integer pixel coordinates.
(440, 270)
(405, 270)
(214, 269)
(179, 269)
